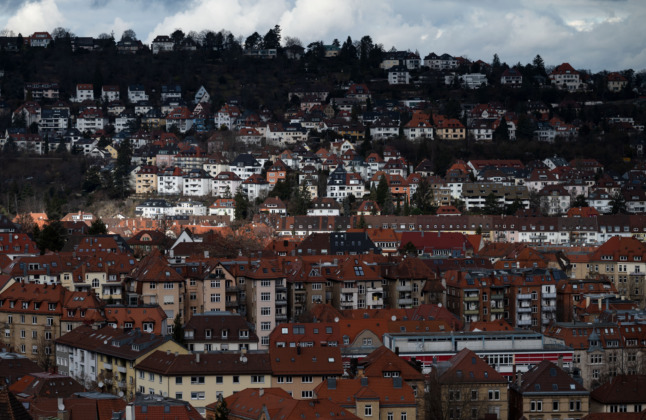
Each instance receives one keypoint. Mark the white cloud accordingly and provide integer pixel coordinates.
(36, 16)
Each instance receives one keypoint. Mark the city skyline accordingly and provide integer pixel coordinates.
(595, 35)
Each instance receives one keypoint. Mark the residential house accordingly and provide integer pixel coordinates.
(511, 77)
(146, 180)
(223, 207)
(546, 391)
(136, 94)
(621, 394)
(466, 387)
(371, 397)
(565, 77)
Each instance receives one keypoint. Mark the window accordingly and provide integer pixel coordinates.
(494, 394)
(215, 284)
(307, 394)
(178, 380)
(404, 415)
(257, 379)
(215, 297)
(265, 326)
(197, 395)
(367, 341)
(151, 377)
(141, 374)
(265, 310)
(23, 334)
(390, 416)
(536, 406)
(555, 406)
(197, 380)
(178, 395)
(34, 320)
(168, 285)
(192, 296)
(265, 283)
(575, 405)
(34, 334)
(306, 379)
(265, 296)
(219, 379)
(48, 335)
(264, 341)
(474, 394)
(236, 379)
(367, 410)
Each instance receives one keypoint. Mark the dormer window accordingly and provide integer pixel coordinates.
(207, 333)
(225, 333)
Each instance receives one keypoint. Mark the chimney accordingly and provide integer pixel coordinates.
(206, 254)
(519, 380)
(62, 413)
(197, 357)
(560, 362)
(261, 392)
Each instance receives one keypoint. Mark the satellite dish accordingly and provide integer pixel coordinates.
(336, 319)
(243, 359)
(61, 407)
(393, 318)
(120, 393)
(439, 305)
(100, 384)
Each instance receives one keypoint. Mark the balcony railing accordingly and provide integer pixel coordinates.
(471, 311)
(523, 309)
(471, 298)
(524, 296)
(523, 322)
(549, 295)
(407, 288)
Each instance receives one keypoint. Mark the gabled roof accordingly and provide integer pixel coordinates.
(468, 367)
(390, 392)
(623, 389)
(548, 379)
(384, 360)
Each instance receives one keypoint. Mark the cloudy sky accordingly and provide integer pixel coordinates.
(589, 34)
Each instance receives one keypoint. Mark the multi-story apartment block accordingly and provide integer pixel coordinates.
(170, 180)
(84, 92)
(202, 378)
(356, 285)
(196, 182)
(146, 179)
(106, 357)
(265, 294)
(155, 282)
(110, 93)
(342, 184)
(623, 261)
(37, 90)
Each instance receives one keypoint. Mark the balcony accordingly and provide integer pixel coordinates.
(548, 308)
(495, 309)
(523, 309)
(547, 320)
(524, 296)
(121, 369)
(231, 303)
(232, 289)
(405, 301)
(548, 295)
(471, 298)
(497, 296)
(281, 300)
(122, 384)
(524, 322)
(471, 311)
(107, 366)
(281, 288)
(407, 288)
(349, 290)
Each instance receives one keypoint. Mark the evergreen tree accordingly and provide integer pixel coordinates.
(121, 176)
(98, 228)
(491, 205)
(423, 197)
(300, 201)
(618, 204)
(382, 191)
(579, 201)
(178, 331)
(242, 205)
(52, 237)
(221, 409)
(501, 133)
